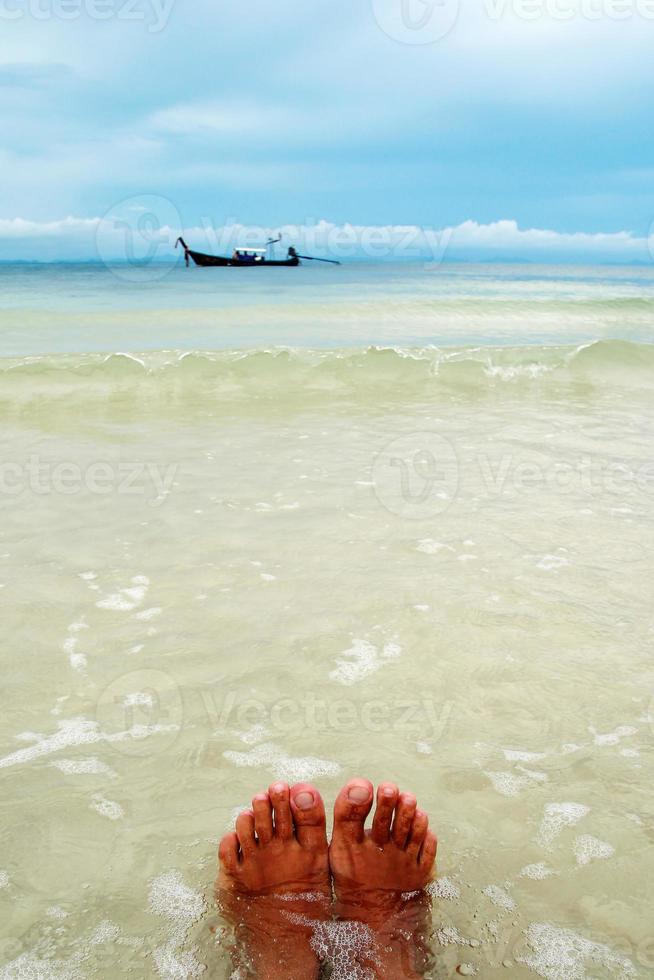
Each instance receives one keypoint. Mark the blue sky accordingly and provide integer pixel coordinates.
(288, 113)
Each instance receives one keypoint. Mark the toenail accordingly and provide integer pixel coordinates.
(304, 800)
(358, 794)
(278, 788)
(388, 791)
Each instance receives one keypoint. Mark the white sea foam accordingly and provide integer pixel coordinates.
(78, 661)
(560, 954)
(138, 699)
(444, 888)
(79, 767)
(107, 808)
(613, 738)
(173, 900)
(283, 766)
(517, 755)
(118, 602)
(536, 871)
(28, 966)
(4, 879)
(429, 546)
(362, 659)
(128, 598)
(500, 897)
(77, 731)
(549, 562)
(507, 783)
(106, 932)
(56, 912)
(556, 817)
(587, 849)
(535, 774)
(147, 614)
(257, 733)
(450, 936)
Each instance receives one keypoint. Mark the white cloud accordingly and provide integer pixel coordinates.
(222, 118)
(94, 238)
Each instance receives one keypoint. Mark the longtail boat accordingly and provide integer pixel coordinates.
(248, 258)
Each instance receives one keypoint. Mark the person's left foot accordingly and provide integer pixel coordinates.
(274, 882)
(380, 877)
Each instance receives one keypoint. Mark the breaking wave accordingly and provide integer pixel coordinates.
(287, 377)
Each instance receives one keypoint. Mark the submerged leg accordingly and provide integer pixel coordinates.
(274, 884)
(379, 879)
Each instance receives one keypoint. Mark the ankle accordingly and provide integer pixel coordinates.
(399, 925)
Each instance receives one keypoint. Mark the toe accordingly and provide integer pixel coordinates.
(404, 811)
(245, 832)
(279, 795)
(308, 816)
(418, 832)
(263, 824)
(228, 852)
(428, 852)
(381, 825)
(352, 806)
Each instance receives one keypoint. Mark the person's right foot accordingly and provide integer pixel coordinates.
(380, 874)
(274, 885)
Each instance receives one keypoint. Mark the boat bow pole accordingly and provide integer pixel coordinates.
(311, 258)
(185, 247)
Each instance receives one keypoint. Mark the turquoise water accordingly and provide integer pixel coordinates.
(393, 521)
(68, 308)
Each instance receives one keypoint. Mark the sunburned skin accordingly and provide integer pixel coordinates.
(277, 873)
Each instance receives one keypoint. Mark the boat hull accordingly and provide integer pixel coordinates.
(201, 259)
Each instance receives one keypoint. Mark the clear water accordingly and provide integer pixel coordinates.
(393, 521)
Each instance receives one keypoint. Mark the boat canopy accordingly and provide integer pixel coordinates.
(255, 251)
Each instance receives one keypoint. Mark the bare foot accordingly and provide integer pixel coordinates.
(274, 883)
(380, 875)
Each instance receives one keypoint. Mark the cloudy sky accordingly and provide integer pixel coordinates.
(505, 118)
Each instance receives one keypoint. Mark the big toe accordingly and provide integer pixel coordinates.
(308, 816)
(352, 806)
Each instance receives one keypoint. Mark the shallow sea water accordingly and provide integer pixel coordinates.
(427, 561)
